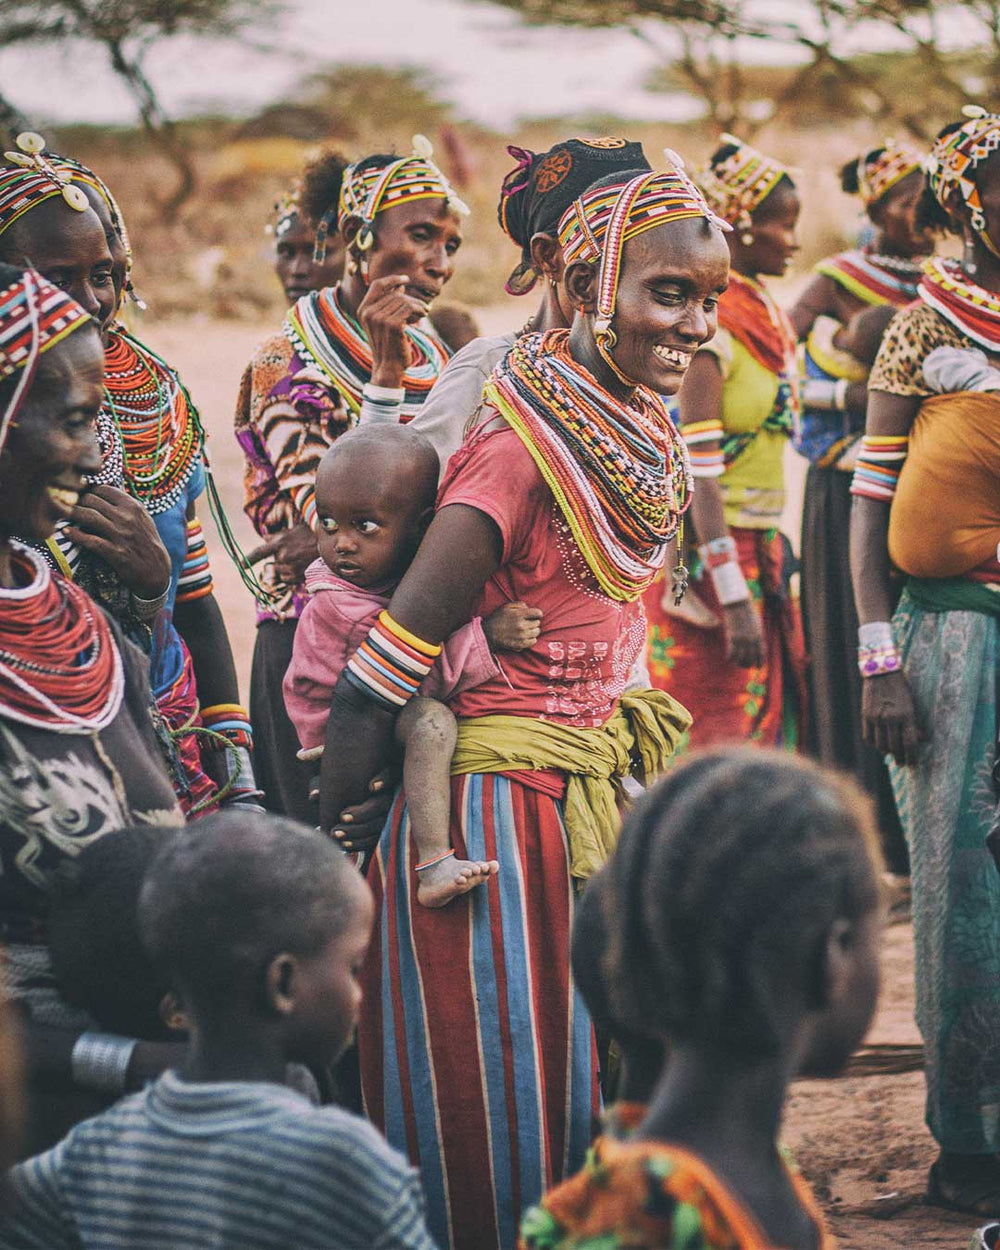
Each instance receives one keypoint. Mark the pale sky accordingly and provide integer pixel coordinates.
(494, 69)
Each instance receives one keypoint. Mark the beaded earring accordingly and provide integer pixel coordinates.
(968, 255)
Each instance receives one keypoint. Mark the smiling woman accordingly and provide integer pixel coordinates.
(359, 351)
(733, 651)
(78, 758)
(477, 1054)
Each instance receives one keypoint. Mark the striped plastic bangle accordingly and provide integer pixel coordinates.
(230, 720)
(391, 663)
(704, 444)
(305, 501)
(195, 581)
(876, 473)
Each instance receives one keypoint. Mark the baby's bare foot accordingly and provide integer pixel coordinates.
(440, 883)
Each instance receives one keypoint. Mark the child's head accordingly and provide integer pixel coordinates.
(642, 1056)
(98, 958)
(260, 921)
(375, 493)
(863, 333)
(747, 904)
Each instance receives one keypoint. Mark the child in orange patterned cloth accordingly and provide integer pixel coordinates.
(743, 915)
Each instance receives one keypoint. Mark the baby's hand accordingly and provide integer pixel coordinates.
(514, 627)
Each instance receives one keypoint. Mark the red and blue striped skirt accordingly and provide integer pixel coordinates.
(477, 1053)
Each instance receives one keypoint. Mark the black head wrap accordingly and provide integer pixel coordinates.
(542, 185)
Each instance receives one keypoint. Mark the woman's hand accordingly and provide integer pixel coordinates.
(889, 717)
(744, 635)
(117, 528)
(292, 552)
(360, 826)
(385, 313)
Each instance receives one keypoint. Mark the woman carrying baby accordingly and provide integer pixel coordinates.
(926, 487)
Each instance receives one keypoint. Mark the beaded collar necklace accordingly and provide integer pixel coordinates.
(873, 278)
(59, 667)
(160, 430)
(619, 472)
(326, 336)
(971, 309)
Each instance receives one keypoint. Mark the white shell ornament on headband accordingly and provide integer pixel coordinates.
(30, 142)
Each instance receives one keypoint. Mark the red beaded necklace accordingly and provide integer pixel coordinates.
(59, 667)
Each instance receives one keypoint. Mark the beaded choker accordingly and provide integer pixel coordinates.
(59, 667)
(971, 309)
(875, 279)
(620, 473)
(326, 336)
(160, 429)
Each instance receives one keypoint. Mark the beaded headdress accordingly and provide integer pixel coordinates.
(880, 171)
(952, 163)
(28, 179)
(599, 223)
(740, 183)
(366, 192)
(286, 209)
(34, 316)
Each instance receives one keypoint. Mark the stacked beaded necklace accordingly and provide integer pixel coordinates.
(59, 667)
(873, 278)
(971, 309)
(326, 336)
(161, 433)
(619, 472)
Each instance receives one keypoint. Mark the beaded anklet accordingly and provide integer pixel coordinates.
(435, 859)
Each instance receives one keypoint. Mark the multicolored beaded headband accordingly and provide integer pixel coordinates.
(880, 173)
(599, 223)
(34, 316)
(79, 172)
(28, 179)
(285, 211)
(953, 160)
(734, 187)
(366, 192)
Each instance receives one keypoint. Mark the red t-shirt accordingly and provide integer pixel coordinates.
(576, 671)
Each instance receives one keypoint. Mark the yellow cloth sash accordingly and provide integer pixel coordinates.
(644, 732)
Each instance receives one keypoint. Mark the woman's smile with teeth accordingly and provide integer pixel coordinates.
(672, 356)
(66, 499)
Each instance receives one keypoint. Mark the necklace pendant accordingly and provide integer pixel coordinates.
(679, 580)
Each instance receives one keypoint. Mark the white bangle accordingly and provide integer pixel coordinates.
(875, 636)
(840, 395)
(388, 394)
(100, 1061)
(729, 583)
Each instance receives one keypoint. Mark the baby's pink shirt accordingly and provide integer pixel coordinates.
(334, 623)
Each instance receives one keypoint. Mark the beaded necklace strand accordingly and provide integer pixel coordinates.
(59, 667)
(873, 278)
(971, 309)
(620, 473)
(326, 336)
(161, 432)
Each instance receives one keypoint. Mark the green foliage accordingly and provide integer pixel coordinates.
(357, 97)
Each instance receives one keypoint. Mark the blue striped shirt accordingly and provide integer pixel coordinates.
(210, 1165)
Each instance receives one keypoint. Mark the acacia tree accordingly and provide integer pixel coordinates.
(702, 45)
(126, 29)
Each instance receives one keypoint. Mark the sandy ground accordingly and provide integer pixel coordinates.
(860, 1141)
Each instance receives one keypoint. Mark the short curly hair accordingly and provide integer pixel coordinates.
(728, 873)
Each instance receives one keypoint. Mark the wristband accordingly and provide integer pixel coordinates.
(381, 404)
(824, 394)
(100, 1061)
(148, 609)
(729, 583)
(875, 636)
(391, 663)
(877, 653)
(195, 581)
(718, 551)
(880, 460)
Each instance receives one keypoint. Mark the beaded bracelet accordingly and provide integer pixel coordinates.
(100, 1061)
(195, 581)
(880, 460)
(729, 583)
(718, 551)
(391, 663)
(231, 720)
(877, 653)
